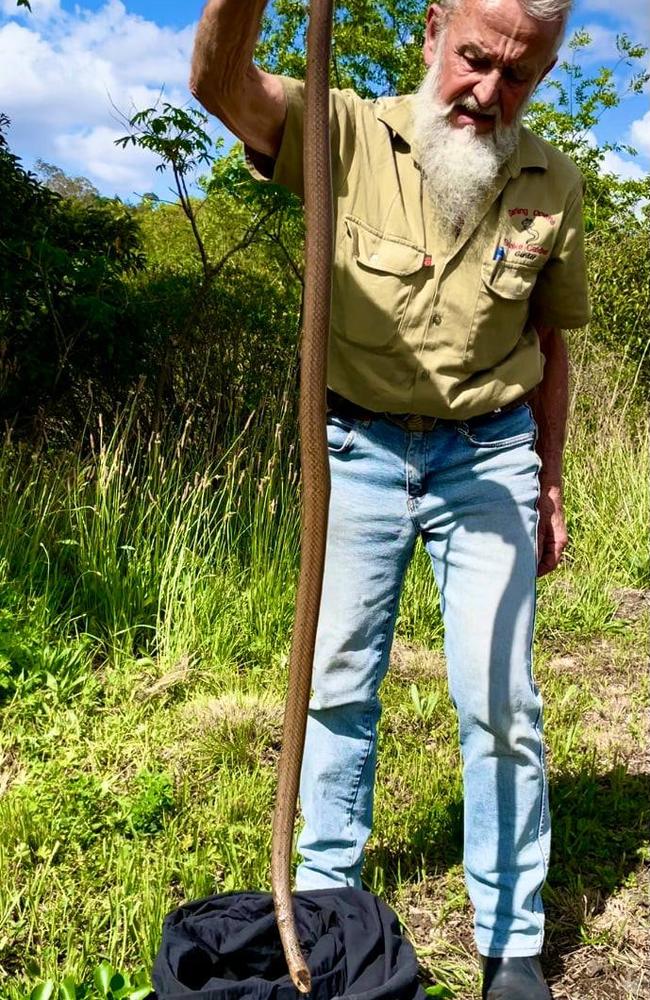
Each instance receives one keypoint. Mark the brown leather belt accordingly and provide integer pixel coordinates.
(413, 422)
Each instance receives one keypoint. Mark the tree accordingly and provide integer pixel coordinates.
(376, 44)
(178, 137)
(62, 302)
(53, 178)
(575, 105)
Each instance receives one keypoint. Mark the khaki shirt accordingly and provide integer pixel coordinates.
(425, 325)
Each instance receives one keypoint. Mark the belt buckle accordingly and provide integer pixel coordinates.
(414, 422)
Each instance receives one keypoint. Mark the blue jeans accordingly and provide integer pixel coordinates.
(469, 490)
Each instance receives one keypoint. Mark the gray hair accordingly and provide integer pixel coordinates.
(541, 10)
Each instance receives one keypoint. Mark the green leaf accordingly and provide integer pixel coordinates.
(439, 991)
(102, 977)
(43, 991)
(117, 984)
(141, 993)
(68, 989)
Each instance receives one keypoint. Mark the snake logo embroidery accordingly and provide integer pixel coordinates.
(528, 226)
(531, 233)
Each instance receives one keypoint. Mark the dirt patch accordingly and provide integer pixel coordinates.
(616, 964)
(438, 919)
(416, 663)
(618, 723)
(178, 675)
(631, 604)
(11, 771)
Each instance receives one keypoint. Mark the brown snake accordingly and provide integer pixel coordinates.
(315, 471)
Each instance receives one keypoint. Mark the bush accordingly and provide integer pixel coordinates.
(619, 272)
(62, 301)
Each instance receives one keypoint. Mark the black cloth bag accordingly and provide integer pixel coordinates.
(227, 947)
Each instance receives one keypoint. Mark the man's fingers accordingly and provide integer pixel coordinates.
(550, 551)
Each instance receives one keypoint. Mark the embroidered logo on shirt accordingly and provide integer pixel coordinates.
(528, 225)
(535, 226)
(532, 213)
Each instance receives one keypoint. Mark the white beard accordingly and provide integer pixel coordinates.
(459, 166)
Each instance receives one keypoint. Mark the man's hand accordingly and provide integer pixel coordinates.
(552, 535)
(550, 409)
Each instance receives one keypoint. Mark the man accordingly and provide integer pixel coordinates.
(458, 258)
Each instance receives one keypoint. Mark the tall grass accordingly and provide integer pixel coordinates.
(146, 599)
(156, 553)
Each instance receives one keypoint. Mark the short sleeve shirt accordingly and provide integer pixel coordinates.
(422, 323)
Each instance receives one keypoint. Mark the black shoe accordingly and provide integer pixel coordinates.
(514, 979)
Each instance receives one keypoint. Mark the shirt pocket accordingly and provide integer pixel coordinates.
(500, 315)
(374, 278)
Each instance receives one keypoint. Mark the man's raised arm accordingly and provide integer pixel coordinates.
(250, 102)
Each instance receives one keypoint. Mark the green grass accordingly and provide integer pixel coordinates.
(146, 599)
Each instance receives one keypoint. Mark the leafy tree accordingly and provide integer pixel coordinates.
(178, 137)
(53, 178)
(62, 303)
(376, 46)
(575, 105)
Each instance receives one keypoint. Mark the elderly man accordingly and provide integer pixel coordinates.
(458, 259)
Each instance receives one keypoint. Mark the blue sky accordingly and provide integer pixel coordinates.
(70, 68)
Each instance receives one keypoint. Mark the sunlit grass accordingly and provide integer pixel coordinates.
(146, 599)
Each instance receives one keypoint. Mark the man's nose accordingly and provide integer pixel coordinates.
(487, 90)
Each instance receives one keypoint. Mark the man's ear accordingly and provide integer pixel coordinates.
(435, 17)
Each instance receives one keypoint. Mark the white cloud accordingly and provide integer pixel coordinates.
(614, 163)
(634, 15)
(128, 171)
(62, 76)
(601, 49)
(640, 134)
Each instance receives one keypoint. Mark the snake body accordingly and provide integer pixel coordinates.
(314, 468)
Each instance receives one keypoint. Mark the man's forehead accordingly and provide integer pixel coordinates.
(482, 50)
(493, 25)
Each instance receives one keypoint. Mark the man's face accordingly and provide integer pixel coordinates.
(493, 56)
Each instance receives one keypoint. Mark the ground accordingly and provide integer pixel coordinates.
(598, 910)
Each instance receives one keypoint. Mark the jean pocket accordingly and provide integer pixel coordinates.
(501, 430)
(341, 432)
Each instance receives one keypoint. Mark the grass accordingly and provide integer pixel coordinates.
(146, 599)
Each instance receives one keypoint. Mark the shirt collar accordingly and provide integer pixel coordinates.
(397, 113)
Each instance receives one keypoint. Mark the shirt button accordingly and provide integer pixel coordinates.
(436, 318)
(374, 257)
